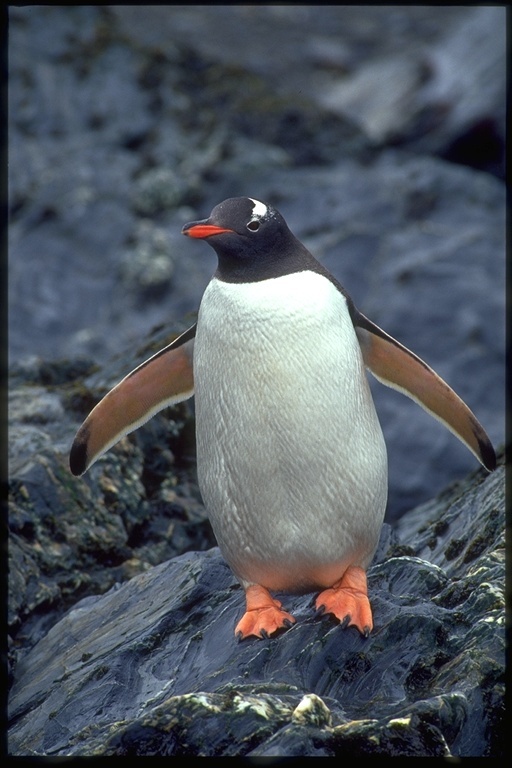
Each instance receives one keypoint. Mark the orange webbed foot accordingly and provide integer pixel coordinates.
(263, 615)
(348, 600)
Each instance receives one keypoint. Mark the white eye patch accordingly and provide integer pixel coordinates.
(259, 210)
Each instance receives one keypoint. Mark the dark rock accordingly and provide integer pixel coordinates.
(69, 538)
(153, 668)
(423, 96)
(444, 92)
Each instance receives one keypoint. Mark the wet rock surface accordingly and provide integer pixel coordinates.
(124, 123)
(153, 667)
(139, 506)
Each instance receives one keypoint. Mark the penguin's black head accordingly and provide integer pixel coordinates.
(252, 241)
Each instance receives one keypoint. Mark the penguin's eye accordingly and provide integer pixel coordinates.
(253, 225)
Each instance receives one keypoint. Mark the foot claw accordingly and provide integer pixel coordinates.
(348, 601)
(263, 616)
(345, 622)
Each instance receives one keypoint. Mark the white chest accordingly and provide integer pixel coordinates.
(287, 317)
(289, 445)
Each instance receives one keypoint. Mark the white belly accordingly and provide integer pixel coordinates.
(291, 458)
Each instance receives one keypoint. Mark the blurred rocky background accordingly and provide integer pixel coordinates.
(378, 132)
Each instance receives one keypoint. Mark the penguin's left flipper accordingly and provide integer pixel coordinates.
(399, 368)
(165, 379)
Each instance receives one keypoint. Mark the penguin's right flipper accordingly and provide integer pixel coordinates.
(397, 367)
(165, 379)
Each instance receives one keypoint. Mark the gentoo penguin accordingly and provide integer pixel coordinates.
(291, 459)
